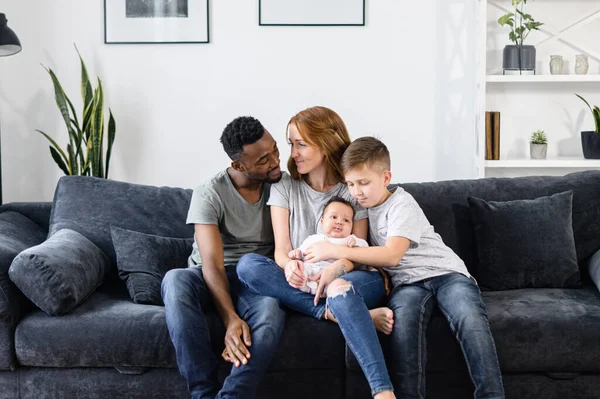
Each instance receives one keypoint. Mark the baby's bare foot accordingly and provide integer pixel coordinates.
(383, 318)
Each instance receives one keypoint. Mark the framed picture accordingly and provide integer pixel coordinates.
(311, 12)
(156, 21)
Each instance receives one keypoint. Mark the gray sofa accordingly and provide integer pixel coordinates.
(548, 339)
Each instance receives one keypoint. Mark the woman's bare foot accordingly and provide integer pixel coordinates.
(383, 318)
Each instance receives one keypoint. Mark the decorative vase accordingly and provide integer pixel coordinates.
(518, 58)
(538, 151)
(556, 64)
(590, 143)
(581, 64)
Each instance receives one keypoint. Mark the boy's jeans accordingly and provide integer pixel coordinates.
(263, 276)
(187, 298)
(460, 301)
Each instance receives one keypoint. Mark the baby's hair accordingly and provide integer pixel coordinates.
(340, 200)
(366, 151)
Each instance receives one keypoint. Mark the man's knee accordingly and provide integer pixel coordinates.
(247, 265)
(338, 287)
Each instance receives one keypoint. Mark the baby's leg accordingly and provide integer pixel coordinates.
(306, 287)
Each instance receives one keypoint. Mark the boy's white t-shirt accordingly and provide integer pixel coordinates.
(427, 255)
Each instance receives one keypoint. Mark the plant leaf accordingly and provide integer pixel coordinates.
(97, 132)
(59, 161)
(86, 87)
(596, 113)
(586, 103)
(111, 139)
(62, 153)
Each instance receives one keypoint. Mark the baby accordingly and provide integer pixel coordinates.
(336, 227)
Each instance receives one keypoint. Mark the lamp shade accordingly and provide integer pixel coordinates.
(9, 42)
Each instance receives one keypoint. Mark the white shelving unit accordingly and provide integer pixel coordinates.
(529, 102)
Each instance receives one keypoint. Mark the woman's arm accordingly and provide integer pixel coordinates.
(294, 269)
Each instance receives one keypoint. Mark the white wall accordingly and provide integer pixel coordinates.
(407, 77)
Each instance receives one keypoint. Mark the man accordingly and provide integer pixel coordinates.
(230, 218)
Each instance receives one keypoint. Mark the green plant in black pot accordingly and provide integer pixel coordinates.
(519, 56)
(85, 153)
(590, 140)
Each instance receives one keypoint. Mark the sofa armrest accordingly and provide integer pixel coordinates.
(17, 233)
(39, 212)
(594, 268)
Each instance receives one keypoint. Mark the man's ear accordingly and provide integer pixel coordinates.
(237, 165)
(387, 177)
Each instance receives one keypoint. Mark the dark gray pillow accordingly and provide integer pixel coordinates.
(144, 259)
(526, 243)
(61, 272)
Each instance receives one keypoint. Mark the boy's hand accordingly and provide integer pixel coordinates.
(237, 341)
(326, 276)
(350, 241)
(295, 254)
(322, 250)
(294, 273)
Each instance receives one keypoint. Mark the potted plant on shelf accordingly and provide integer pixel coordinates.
(518, 56)
(538, 145)
(590, 140)
(85, 153)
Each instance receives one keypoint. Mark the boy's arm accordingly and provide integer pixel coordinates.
(210, 246)
(385, 256)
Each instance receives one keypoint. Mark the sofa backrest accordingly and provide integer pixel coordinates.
(445, 205)
(91, 205)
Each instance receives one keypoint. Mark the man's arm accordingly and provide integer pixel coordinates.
(210, 246)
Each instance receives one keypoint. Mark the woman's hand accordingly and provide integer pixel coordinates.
(326, 276)
(322, 250)
(294, 273)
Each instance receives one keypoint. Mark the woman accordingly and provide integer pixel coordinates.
(318, 138)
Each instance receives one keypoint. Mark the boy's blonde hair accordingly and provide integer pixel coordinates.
(366, 151)
(321, 127)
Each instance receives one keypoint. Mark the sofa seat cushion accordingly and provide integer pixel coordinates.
(108, 329)
(535, 330)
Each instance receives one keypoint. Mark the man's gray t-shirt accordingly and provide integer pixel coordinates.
(306, 205)
(427, 255)
(244, 227)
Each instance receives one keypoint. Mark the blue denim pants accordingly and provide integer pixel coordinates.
(460, 301)
(351, 309)
(186, 299)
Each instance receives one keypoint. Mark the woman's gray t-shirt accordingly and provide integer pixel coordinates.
(244, 227)
(306, 205)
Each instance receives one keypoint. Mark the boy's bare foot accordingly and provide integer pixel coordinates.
(383, 318)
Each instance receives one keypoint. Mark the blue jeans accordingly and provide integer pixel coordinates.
(460, 301)
(351, 309)
(187, 299)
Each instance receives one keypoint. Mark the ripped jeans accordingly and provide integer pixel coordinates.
(350, 307)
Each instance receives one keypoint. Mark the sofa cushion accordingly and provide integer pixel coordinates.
(144, 259)
(109, 330)
(445, 205)
(17, 233)
(91, 205)
(61, 272)
(526, 243)
(594, 269)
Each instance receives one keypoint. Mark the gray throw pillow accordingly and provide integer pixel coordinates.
(526, 243)
(144, 259)
(61, 272)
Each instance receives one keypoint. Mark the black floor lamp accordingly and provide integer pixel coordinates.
(9, 45)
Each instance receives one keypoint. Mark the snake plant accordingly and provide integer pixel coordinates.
(85, 154)
(595, 113)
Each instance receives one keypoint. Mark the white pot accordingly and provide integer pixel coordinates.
(538, 151)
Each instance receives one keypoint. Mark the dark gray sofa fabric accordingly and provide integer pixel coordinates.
(526, 243)
(445, 205)
(61, 272)
(92, 205)
(9, 384)
(38, 212)
(17, 232)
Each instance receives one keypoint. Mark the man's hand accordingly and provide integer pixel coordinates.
(321, 250)
(237, 341)
(295, 254)
(350, 241)
(294, 273)
(326, 276)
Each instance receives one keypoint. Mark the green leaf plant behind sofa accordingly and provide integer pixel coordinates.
(80, 315)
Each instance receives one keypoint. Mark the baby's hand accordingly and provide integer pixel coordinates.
(350, 241)
(295, 254)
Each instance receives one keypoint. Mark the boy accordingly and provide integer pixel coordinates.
(423, 271)
(336, 226)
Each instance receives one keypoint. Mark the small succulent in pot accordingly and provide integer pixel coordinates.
(538, 145)
(538, 137)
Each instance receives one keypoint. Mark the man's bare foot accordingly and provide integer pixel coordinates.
(383, 318)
